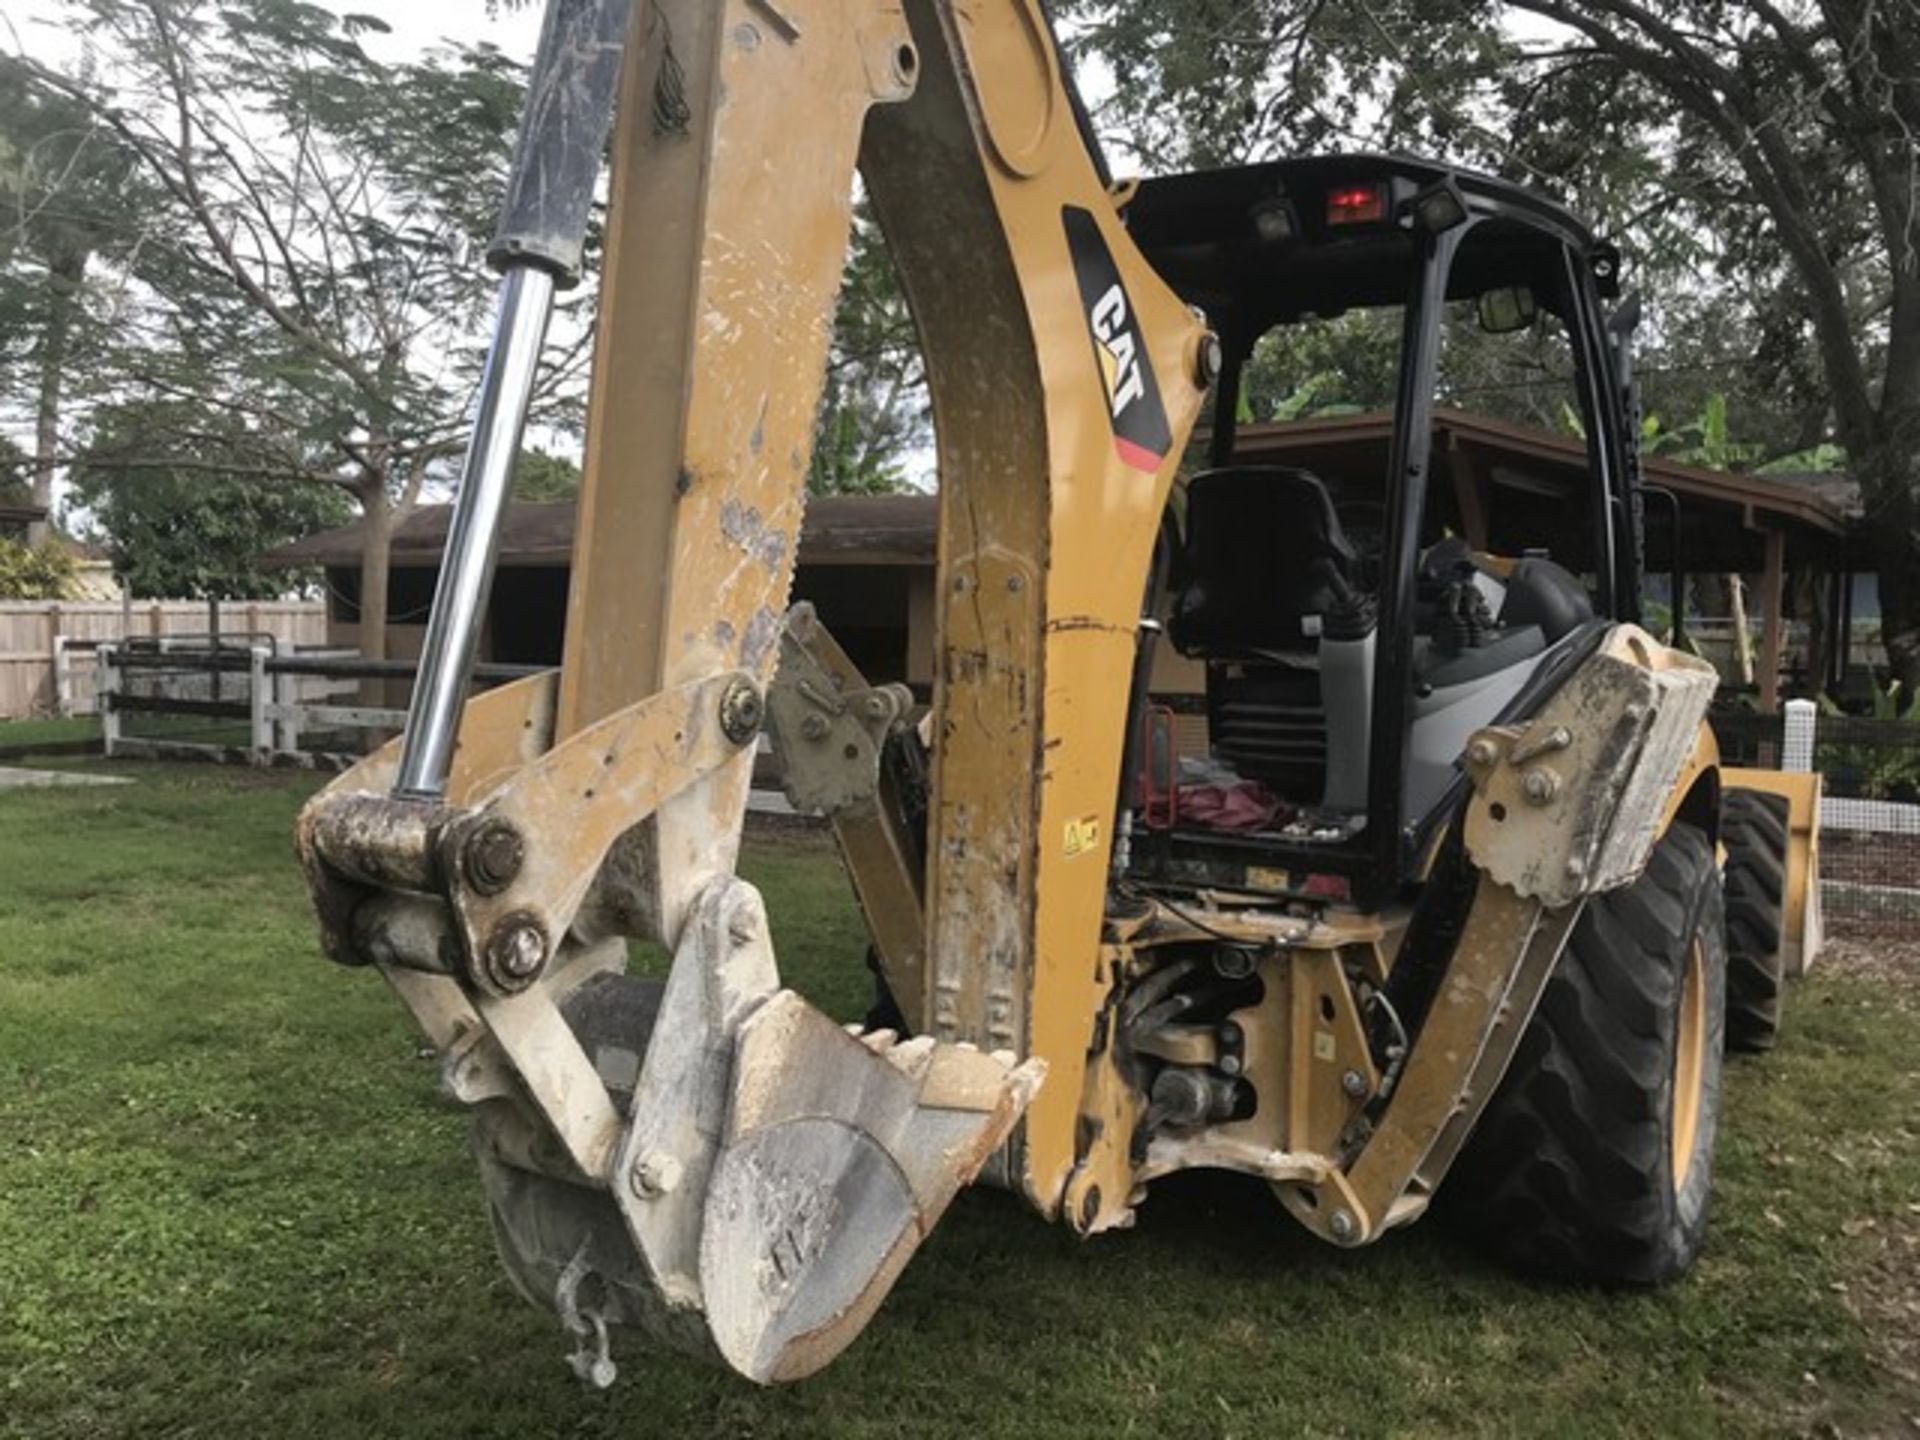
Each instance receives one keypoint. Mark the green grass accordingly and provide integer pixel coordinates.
(15, 734)
(231, 1206)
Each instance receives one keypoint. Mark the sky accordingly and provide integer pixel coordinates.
(427, 22)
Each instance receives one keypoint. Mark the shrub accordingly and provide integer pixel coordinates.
(46, 571)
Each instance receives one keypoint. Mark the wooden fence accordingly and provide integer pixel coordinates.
(251, 702)
(47, 648)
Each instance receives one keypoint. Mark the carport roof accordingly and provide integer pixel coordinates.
(1795, 502)
(837, 530)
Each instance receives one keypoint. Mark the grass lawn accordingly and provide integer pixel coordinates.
(230, 1205)
(17, 735)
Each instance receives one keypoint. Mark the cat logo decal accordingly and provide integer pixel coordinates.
(1139, 420)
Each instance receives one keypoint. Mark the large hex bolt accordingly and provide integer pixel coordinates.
(516, 952)
(741, 710)
(492, 857)
(654, 1174)
(1208, 359)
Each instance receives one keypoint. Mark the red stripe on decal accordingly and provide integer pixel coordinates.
(1138, 456)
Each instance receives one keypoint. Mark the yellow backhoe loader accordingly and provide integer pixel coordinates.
(1474, 936)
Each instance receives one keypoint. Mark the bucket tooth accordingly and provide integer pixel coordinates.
(835, 1162)
(915, 1057)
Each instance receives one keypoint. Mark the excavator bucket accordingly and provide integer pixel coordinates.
(839, 1155)
(833, 1154)
(709, 1158)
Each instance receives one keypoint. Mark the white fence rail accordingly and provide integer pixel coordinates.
(268, 710)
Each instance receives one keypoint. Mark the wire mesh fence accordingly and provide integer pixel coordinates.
(1866, 759)
(1870, 819)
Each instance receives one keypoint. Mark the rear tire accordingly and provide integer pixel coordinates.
(1594, 1159)
(1753, 827)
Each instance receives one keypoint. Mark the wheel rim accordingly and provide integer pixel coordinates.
(1689, 1063)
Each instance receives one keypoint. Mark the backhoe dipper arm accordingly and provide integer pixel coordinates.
(712, 1158)
(1066, 377)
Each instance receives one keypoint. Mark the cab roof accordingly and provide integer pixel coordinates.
(1198, 230)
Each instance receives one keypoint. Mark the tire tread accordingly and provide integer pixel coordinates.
(1568, 1169)
(1753, 828)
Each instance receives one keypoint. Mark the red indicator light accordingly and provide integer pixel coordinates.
(1357, 205)
(1328, 887)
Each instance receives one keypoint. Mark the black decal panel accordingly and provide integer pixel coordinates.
(1140, 432)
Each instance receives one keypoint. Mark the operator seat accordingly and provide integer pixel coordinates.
(1265, 559)
(1540, 592)
(1478, 639)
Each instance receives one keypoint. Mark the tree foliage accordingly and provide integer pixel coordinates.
(542, 475)
(67, 189)
(47, 571)
(188, 533)
(15, 487)
(873, 406)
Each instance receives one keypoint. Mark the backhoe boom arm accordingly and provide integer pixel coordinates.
(711, 1158)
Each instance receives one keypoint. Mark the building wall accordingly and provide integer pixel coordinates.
(884, 615)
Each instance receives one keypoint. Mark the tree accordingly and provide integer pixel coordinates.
(540, 475)
(1760, 159)
(311, 308)
(189, 533)
(65, 187)
(15, 487)
(873, 406)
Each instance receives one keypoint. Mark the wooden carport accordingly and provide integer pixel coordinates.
(1508, 488)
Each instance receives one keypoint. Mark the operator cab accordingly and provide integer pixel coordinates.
(1352, 633)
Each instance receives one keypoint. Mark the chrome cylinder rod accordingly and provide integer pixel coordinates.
(466, 567)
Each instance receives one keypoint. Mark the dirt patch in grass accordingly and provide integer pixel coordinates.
(1884, 1295)
(800, 833)
(1882, 953)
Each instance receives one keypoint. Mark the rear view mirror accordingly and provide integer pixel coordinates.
(1510, 308)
